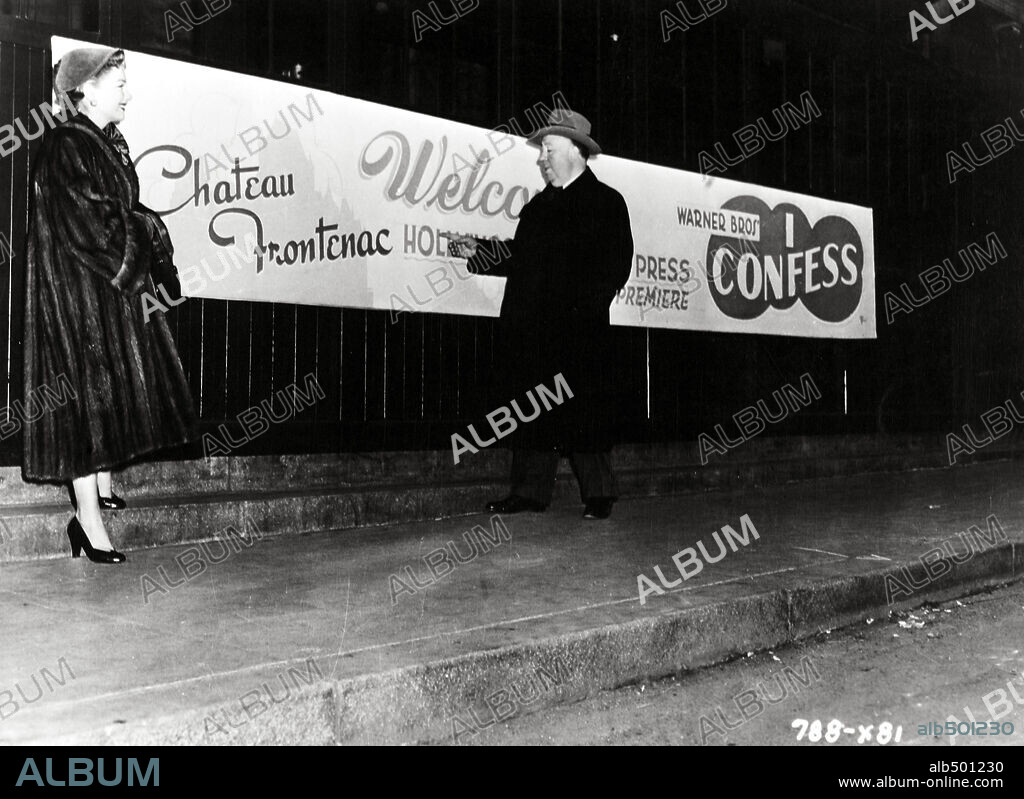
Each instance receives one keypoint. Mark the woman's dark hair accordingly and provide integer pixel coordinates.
(75, 96)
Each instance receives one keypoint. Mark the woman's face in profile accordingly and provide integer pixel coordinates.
(108, 95)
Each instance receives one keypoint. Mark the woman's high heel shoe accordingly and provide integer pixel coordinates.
(79, 541)
(113, 502)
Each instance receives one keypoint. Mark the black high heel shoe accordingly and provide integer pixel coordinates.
(113, 502)
(79, 541)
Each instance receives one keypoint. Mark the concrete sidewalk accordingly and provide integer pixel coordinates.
(308, 639)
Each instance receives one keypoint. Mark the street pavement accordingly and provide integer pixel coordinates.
(961, 659)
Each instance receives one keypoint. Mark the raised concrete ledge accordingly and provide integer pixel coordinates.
(444, 700)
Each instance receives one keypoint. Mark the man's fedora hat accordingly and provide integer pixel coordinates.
(562, 122)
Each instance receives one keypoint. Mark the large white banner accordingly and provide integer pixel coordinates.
(275, 192)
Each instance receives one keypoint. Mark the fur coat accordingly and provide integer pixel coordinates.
(91, 248)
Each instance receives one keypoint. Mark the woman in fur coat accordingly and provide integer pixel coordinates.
(91, 250)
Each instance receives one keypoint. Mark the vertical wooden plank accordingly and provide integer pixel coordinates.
(283, 369)
(306, 357)
(481, 368)
(432, 368)
(821, 69)
(448, 376)
(796, 147)
(376, 366)
(353, 365)
(190, 349)
(238, 367)
(328, 361)
(261, 354)
(394, 387)
(214, 336)
(412, 400)
(466, 381)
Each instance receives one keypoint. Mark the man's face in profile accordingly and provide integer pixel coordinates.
(558, 157)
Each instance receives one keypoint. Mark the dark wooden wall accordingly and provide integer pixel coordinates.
(891, 109)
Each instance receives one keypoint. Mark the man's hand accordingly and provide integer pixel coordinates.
(461, 246)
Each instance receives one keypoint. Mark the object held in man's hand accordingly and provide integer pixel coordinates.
(459, 245)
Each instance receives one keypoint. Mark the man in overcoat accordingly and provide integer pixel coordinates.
(571, 253)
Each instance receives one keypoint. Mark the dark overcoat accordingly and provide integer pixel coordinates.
(571, 253)
(91, 247)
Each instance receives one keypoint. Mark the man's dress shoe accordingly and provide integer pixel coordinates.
(514, 504)
(600, 508)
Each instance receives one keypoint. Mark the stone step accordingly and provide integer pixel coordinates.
(174, 502)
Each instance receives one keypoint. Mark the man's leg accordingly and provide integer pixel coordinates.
(598, 487)
(533, 474)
